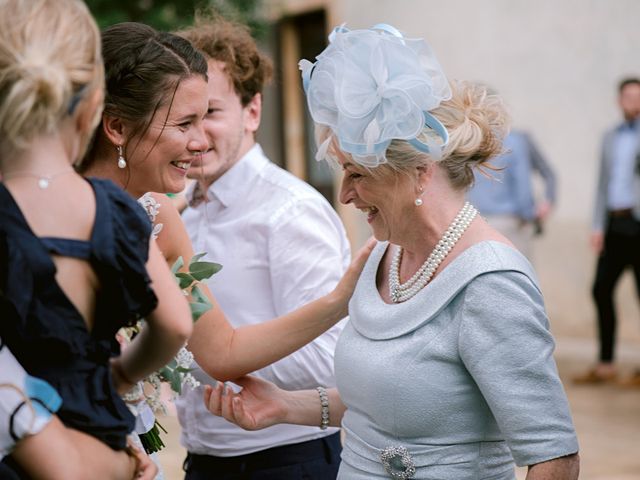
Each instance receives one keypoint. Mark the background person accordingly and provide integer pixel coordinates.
(280, 240)
(504, 193)
(616, 226)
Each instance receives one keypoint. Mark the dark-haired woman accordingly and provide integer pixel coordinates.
(151, 130)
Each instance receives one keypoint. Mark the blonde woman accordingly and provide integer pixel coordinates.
(76, 260)
(445, 369)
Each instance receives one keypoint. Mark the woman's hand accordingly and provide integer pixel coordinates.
(344, 290)
(145, 468)
(260, 404)
(565, 468)
(121, 383)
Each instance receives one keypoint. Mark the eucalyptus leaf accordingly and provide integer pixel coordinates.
(165, 373)
(198, 296)
(177, 265)
(198, 309)
(176, 384)
(184, 279)
(197, 257)
(202, 270)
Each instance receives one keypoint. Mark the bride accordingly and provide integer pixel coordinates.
(150, 132)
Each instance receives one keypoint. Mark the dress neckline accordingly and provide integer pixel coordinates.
(23, 220)
(374, 318)
(45, 259)
(443, 273)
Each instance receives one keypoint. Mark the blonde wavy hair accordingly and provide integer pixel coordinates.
(477, 123)
(49, 60)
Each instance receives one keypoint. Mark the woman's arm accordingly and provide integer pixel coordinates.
(507, 348)
(166, 329)
(225, 353)
(261, 404)
(564, 468)
(60, 453)
(42, 445)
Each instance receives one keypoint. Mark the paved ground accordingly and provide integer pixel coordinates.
(607, 419)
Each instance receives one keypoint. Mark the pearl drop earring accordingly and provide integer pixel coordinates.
(122, 163)
(418, 201)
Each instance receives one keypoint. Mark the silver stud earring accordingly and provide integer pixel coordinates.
(418, 201)
(122, 163)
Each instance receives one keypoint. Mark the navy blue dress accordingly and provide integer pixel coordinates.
(44, 330)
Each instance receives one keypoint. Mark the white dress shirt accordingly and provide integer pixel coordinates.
(281, 245)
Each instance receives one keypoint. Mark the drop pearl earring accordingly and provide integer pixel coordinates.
(122, 163)
(418, 201)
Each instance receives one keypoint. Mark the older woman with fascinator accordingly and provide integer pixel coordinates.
(445, 369)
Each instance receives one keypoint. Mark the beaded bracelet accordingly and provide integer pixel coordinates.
(324, 403)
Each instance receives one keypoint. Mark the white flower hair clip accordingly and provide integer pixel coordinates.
(373, 86)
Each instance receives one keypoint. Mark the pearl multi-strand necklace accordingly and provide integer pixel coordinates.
(402, 292)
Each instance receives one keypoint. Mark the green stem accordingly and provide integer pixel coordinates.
(151, 440)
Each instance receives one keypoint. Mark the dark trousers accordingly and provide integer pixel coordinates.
(312, 460)
(621, 250)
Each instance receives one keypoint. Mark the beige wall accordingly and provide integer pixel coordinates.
(557, 63)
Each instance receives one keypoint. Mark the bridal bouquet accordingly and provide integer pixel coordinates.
(178, 371)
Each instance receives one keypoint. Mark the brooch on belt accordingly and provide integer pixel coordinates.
(398, 463)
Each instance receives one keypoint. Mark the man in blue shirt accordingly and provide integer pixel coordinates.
(505, 196)
(616, 225)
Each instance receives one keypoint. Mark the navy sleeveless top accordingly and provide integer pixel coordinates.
(44, 330)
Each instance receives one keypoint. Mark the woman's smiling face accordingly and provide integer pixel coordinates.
(383, 196)
(160, 157)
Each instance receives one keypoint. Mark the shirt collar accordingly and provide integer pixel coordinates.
(628, 125)
(235, 183)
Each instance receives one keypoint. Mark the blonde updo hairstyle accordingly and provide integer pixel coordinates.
(477, 123)
(49, 61)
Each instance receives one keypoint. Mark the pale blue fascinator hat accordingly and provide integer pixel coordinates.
(373, 86)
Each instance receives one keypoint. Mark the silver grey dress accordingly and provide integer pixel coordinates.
(461, 376)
